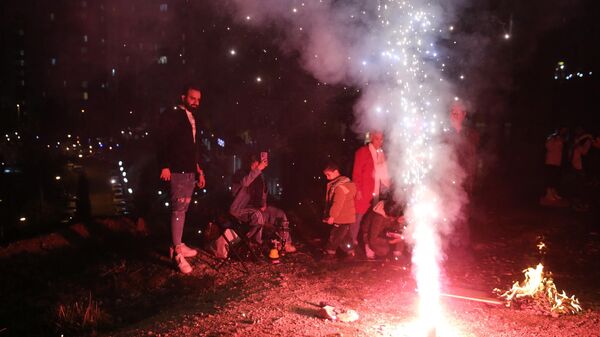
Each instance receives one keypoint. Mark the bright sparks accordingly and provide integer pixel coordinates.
(411, 101)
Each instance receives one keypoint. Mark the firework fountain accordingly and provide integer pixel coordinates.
(387, 49)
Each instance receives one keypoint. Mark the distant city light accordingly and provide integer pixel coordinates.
(113, 181)
(23, 219)
(130, 190)
(232, 52)
(57, 178)
(258, 79)
(506, 36)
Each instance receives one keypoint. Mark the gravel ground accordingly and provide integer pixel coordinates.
(136, 292)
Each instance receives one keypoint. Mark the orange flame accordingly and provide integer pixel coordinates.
(541, 288)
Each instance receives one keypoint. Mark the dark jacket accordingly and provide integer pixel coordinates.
(375, 226)
(246, 195)
(176, 148)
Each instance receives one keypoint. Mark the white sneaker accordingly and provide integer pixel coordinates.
(182, 264)
(369, 253)
(183, 250)
(289, 248)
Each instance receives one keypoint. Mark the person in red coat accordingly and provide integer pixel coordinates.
(371, 177)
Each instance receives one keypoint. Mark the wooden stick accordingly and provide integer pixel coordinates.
(474, 299)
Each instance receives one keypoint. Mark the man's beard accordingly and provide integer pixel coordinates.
(190, 108)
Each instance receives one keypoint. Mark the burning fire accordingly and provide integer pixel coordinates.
(538, 291)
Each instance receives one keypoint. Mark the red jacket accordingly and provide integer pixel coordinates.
(364, 179)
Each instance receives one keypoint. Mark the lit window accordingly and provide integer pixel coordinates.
(164, 7)
(85, 96)
(22, 83)
(53, 61)
(114, 71)
(21, 52)
(85, 38)
(162, 60)
(51, 16)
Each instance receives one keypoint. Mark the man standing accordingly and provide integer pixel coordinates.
(179, 157)
(370, 174)
(465, 141)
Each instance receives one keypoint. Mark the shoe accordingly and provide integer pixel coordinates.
(369, 253)
(182, 264)
(328, 255)
(350, 256)
(289, 248)
(555, 195)
(182, 249)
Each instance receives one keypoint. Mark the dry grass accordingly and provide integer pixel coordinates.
(81, 316)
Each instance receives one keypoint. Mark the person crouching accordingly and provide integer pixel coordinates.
(382, 229)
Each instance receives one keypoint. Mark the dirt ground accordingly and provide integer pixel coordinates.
(119, 284)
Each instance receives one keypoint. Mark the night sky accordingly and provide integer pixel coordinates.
(250, 73)
(110, 68)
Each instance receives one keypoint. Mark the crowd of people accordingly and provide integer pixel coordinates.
(364, 203)
(572, 168)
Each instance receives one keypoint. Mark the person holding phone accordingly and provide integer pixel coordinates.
(250, 202)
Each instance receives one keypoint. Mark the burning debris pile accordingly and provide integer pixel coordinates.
(539, 294)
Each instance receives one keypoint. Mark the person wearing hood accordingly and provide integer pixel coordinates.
(382, 230)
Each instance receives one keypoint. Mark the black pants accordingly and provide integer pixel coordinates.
(340, 237)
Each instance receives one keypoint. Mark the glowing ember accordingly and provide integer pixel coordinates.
(539, 292)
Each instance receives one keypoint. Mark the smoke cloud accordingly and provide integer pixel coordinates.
(389, 51)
